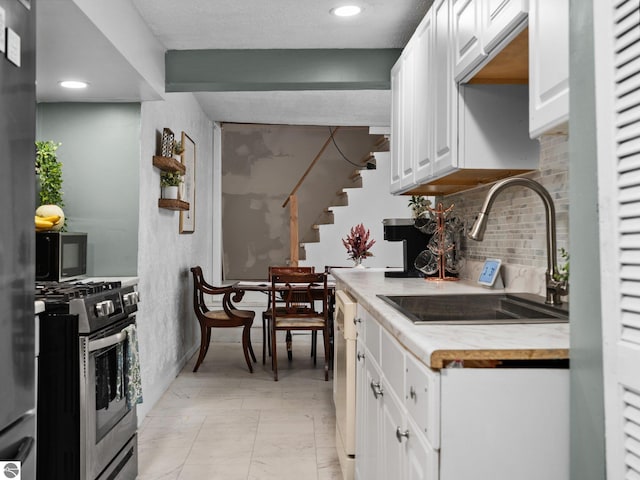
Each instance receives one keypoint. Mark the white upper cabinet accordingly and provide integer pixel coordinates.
(467, 29)
(548, 66)
(396, 128)
(446, 99)
(499, 18)
(462, 114)
(424, 96)
(480, 26)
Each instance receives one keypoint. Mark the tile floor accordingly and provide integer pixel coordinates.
(225, 423)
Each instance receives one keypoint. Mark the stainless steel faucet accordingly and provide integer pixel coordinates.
(554, 287)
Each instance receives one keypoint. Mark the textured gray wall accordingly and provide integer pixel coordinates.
(261, 164)
(100, 154)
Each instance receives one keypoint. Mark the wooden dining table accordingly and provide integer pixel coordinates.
(265, 286)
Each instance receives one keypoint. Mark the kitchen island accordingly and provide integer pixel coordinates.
(455, 402)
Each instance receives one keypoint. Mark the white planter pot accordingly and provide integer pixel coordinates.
(170, 192)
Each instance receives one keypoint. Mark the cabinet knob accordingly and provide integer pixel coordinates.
(412, 392)
(400, 434)
(360, 356)
(356, 321)
(376, 389)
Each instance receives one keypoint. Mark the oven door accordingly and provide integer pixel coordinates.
(108, 422)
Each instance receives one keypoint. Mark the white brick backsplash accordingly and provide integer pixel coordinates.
(516, 230)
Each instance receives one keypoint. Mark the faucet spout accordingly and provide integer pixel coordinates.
(554, 289)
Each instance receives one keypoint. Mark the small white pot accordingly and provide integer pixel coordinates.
(170, 192)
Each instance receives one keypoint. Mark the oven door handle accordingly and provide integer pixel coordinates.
(107, 341)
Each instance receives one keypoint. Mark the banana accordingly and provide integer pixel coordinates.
(53, 218)
(41, 223)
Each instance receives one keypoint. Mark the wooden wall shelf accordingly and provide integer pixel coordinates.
(168, 164)
(172, 204)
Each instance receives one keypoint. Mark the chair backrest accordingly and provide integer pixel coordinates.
(298, 292)
(284, 270)
(198, 295)
(287, 269)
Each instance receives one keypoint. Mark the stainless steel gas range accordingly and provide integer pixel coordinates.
(86, 394)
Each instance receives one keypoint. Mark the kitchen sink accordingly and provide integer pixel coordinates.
(477, 309)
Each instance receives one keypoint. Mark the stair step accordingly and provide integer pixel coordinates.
(368, 158)
(342, 198)
(382, 144)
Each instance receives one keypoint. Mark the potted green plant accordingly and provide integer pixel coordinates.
(49, 174)
(178, 148)
(169, 183)
(419, 204)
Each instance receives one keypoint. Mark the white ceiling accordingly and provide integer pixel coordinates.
(67, 41)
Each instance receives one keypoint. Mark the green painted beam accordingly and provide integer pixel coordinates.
(270, 70)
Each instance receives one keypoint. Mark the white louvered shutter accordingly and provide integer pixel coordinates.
(617, 54)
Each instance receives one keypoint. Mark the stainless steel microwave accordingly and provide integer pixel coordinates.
(60, 256)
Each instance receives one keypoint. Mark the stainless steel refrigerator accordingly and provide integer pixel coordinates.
(17, 237)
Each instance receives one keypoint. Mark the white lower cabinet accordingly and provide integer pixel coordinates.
(416, 423)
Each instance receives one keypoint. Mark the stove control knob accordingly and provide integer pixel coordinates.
(131, 298)
(105, 308)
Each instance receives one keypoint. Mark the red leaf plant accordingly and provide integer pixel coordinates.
(358, 244)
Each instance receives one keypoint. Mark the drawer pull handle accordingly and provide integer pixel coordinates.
(360, 356)
(412, 392)
(356, 321)
(376, 389)
(400, 434)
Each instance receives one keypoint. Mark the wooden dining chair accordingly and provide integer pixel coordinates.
(266, 315)
(228, 317)
(299, 294)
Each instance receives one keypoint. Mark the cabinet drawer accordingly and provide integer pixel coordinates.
(422, 398)
(392, 362)
(372, 336)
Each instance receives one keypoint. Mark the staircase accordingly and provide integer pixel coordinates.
(368, 202)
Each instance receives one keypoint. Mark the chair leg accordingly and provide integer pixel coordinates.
(246, 345)
(327, 348)
(264, 340)
(314, 346)
(206, 350)
(274, 354)
(253, 355)
(204, 346)
(289, 346)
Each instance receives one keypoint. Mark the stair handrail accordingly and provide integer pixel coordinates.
(310, 167)
(293, 207)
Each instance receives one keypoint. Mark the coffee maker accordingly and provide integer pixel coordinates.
(413, 240)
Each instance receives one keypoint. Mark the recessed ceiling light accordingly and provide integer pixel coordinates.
(346, 11)
(73, 84)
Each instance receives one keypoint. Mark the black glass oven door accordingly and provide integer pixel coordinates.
(110, 367)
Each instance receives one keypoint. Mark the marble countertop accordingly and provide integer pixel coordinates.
(435, 345)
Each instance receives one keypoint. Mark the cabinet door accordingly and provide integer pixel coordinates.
(421, 459)
(361, 421)
(408, 86)
(499, 18)
(548, 65)
(392, 445)
(424, 96)
(468, 49)
(446, 98)
(368, 461)
(422, 398)
(396, 139)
